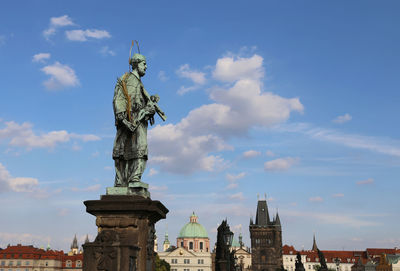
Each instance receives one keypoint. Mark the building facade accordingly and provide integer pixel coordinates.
(192, 252)
(371, 259)
(29, 258)
(266, 240)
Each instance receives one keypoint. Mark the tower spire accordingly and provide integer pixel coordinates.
(314, 246)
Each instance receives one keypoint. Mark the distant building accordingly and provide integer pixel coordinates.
(266, 240)
(242, 254)
(192, 251)
(371, 259)
(29, 258)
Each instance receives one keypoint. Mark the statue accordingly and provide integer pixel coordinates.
(322, 261)
(299, 265)
(134, 108)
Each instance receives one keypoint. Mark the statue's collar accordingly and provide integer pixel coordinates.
(136, 75)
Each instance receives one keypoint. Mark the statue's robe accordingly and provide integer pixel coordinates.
(130, 149)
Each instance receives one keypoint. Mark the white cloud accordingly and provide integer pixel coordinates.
(178, 152)
(191, 144)
(280, 164)
(196, 76)
(316, 199)
(108, 168)
(381, 145)
(183, 90)
(55, 23)
(63, 212)
(18, 184)
(232, 185)
(251, 154)
(234, 178)
(60, 76)
(367, 181)
(269, 153)
(152, 172)
(2, 40)
(338, 195)
(105, 51)
(162, 76)
(342, 119)
(22, 135)
(84, 35)
(41, 57)
(17, 238)
(92, 188)
(237, 196)
(22, 184)
(233, 68)
(350, 220)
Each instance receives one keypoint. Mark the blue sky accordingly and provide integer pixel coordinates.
(297, 100)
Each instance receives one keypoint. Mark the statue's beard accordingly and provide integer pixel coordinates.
(141, 73)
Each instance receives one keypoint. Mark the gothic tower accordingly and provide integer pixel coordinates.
(266, 240)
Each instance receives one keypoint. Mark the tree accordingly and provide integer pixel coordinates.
(162, 265)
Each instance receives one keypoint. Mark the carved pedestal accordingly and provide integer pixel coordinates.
(125, 239)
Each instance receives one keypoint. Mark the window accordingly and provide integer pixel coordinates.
(190, 245)
(199, 269)
(18, 263)
(182, 244)
(78, 264)
(27, 263)
(201, 245)
(173, 269)
(3, 263)
(69, 263)
(174, 261)
(200, 261)
(186, 261)
(186, 269)
(10, 263)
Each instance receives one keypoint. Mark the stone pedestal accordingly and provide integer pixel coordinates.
(125, 239)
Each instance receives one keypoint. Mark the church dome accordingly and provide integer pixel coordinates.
(193, 229)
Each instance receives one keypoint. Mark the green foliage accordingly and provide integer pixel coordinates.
(162, 265)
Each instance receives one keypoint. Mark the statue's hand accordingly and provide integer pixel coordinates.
(150, 110)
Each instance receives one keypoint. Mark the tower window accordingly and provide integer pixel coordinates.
(190, 245)
(201, 245)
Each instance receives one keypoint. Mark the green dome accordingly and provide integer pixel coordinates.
(235, 243)
(193, 229)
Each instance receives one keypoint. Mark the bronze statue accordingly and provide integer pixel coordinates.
(134, 108)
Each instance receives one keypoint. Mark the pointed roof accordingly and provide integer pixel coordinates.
(262, 216)
(314, 246)
(277, 220)
(87, 239)
(74, 243)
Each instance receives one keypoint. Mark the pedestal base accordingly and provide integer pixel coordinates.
(125, 239)
(133, 189)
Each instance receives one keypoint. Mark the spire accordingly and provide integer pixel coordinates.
(262, 216)
(314, 246)
(277, 220)
(74, 243)
(48, 245)
(241, 240)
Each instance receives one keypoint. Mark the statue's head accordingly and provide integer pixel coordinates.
(138, 62)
